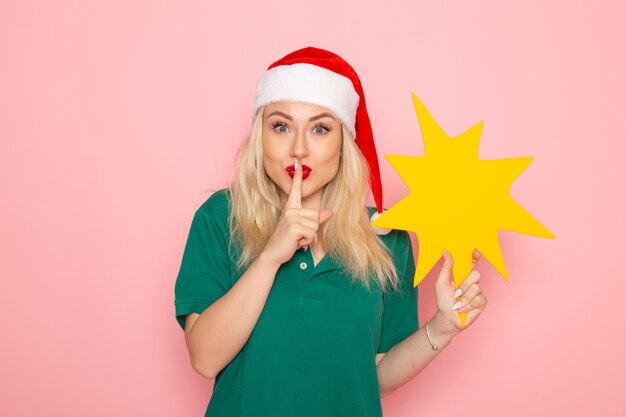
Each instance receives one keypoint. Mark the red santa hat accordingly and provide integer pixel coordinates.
(316, 76)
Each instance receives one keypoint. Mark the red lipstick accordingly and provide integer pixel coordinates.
(306, 171)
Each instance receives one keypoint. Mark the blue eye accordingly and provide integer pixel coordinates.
(321, 129)
(280, 127)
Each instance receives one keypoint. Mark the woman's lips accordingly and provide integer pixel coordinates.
(306, 171)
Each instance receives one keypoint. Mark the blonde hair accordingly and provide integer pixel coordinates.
(348, 235)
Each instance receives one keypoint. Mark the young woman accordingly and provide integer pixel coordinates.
(289, 298)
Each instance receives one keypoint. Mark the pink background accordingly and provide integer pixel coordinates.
(117, 118)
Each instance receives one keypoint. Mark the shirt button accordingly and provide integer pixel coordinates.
(303, 265)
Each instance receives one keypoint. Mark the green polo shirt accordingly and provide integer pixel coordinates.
(312, 351)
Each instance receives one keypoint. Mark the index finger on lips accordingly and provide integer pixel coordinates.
(295, 194)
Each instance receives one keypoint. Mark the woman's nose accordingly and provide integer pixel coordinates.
(299, 147)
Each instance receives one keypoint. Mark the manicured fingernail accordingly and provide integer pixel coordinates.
(457, 293)
(463, 310)
(456, 305)
(305, 247)
(295, 164)
(444, 255)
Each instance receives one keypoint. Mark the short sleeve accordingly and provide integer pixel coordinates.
(205, 273)
(399, 318)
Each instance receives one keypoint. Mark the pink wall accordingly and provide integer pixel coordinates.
(117, 117)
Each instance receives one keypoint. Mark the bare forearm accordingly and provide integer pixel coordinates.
(221, 331)
(406, 359)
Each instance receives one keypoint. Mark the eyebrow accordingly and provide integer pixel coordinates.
(286, 116)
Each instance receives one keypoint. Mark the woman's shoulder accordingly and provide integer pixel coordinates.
(216, 206)
(218, 201)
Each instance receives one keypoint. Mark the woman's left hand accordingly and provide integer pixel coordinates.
(450, 301)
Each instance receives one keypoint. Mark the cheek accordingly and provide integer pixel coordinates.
(270, 153)
(334, 156)
(334, 163)
(273, 160)
(270, 165)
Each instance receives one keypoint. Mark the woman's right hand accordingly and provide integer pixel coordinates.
(296, 227)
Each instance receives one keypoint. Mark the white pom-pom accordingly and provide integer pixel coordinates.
(379, 230)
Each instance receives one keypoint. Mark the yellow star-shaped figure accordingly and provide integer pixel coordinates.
(457, 201)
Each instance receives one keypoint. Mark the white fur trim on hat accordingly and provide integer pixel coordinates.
(309, 84)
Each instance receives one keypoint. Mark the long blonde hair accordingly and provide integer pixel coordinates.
(348, 235)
